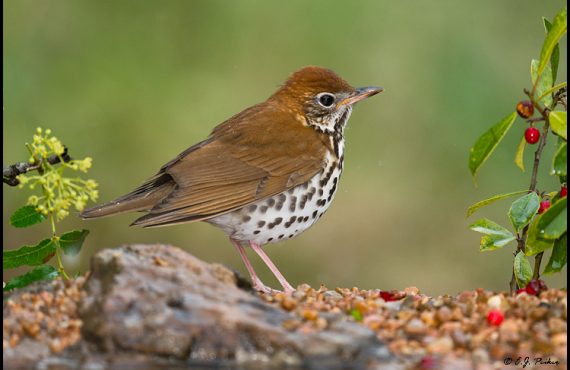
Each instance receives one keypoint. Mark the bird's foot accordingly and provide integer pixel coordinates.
(288, 289)
(262, 288)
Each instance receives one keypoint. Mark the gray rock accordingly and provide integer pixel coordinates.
(156, 306)
(161, 300)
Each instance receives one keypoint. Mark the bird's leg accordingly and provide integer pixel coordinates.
(284, 283)
(255, 280)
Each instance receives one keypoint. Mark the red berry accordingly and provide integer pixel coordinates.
(394, 295)
(522, 290)
(525, 109)
(495, 317)
(563, 191)
(428, 363)
(531, 135)
(531, 290)
(544, 205)
(536, 286)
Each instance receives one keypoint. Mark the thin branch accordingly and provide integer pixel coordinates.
(537, 261)
(10, 173)
(521, 245)
(559, 98)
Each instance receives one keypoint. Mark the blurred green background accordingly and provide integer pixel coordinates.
(133, 83)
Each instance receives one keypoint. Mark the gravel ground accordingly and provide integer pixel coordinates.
(475, 329)
(46, 313)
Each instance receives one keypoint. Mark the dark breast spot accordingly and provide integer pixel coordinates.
(275, 222)
(333, 189)
(290, 222)
(315, 214)
(280, 201)
(252, 208)
(263, 209)
(261, 223)
(328, 175)
(281, 236)
(246, 218)
(270, 202)
(311, 193)
(292, 203)
(303, 201)
(257, 232)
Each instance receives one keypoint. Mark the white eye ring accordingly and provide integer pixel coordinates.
(326, 99)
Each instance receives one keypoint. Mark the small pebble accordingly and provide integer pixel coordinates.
(415, 327)
(441, 346)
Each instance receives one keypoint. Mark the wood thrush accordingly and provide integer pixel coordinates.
(263, 176)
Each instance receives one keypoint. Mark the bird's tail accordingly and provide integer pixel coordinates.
(142, 198)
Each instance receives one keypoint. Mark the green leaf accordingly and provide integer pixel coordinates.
(496, 235)
(552, 223)
(554, 35)
(559, 162)
(72, 241)
(486, 226)
(26, 216)
(519, 157)
(28, 255)
(555, 58)
(487, 143)
(558, 123)
(544, 83)
(474, 207)
(43, 272)
(535, 244)
(493, 242)
(523, 209)
(546, 228)
(522, 269)
(558, 257)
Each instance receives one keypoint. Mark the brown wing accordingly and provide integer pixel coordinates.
(260, 152)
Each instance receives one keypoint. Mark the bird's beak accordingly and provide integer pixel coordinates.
(360, 94)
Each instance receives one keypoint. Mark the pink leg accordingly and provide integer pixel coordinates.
(256, 281)
(284, 283)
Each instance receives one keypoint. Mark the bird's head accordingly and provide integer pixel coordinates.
(321, 97)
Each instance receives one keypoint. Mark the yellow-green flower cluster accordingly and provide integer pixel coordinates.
(59, 193)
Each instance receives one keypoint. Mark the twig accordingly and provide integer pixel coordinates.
(11, 172)
(521, 245)
(559, 98)
(535, 119)
(537, 261)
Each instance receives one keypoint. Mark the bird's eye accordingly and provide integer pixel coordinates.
(326, 99)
